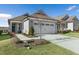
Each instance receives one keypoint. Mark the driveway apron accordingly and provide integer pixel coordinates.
(71, 43)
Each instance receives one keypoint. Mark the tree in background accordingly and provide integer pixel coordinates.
(31, 31)
(1, 32)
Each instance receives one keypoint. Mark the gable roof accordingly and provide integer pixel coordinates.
(62, 18)
(66, 18)
(19, 18)
(71, 18)
(40, 14)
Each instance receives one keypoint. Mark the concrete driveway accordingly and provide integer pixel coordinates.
(71, 43)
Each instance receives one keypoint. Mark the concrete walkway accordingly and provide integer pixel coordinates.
(24, 38)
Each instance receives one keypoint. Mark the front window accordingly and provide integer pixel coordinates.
(65, 25)
(36, 23)
(42, 24)
(47, 24)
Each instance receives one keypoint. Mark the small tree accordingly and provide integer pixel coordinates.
(1, 32)
(31, 31)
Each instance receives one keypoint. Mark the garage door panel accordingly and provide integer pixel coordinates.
(47, 29)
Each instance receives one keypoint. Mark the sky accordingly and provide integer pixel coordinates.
(8, 11)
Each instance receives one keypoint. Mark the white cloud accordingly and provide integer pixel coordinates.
(4, 20)
(71, 8)
(5, 16)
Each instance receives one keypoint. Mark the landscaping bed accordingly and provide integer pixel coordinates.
(32, 42)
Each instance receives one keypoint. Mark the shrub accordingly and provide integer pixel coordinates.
(69, 30)
(1, 32)
(64, 31)
(59, 31)
(19, 42)
(11, 34)
(31, 31)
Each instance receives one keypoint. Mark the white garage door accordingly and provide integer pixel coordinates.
(45, 29)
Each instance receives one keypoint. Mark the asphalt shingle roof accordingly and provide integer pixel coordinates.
(38, 14)
(42, 15)
(64, 17)
(19, 18)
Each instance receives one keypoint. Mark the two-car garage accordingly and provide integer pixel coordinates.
(44, 27)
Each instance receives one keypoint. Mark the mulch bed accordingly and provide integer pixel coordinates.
(33, 42)
(39, 41)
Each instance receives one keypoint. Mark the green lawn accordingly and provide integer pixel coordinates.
(48, 49)
(72, 34)
(4, 36)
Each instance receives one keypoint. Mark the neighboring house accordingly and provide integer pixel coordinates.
(67, 22)
(4, 29)
(42, 23)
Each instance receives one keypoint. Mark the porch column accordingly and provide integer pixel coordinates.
(58, 27)
(17, 28)
(61, 27)
(10, 27)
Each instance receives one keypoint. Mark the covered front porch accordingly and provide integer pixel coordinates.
(16, 27)
(62, 26)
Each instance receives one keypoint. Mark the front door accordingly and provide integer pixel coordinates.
(58, 27)
(13, 27)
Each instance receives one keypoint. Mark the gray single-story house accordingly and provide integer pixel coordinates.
(4, 29)
(42, 23)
